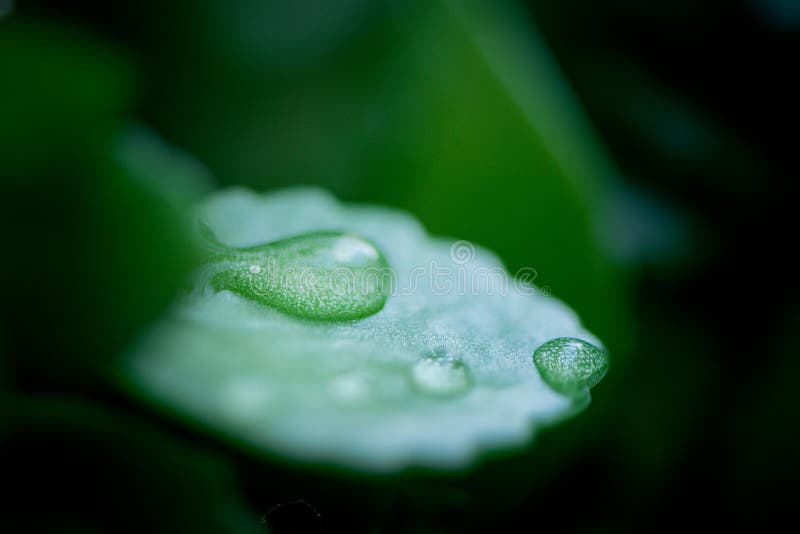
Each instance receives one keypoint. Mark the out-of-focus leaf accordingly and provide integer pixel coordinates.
(97, 249)
(62, 92)
(77, 466)
(455, 111)
(443, 372)
(167, 171)
(489, 128)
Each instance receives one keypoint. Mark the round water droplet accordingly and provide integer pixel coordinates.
(441, 375)
(569, 365)
(351, 387)
(243, 398)
(329, 276)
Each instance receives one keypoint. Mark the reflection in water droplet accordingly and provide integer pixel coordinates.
(569, 365)
(441, 375)
(328, 276)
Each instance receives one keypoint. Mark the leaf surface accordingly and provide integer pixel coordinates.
(441, 373)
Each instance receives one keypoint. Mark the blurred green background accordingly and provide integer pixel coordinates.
(640, 156)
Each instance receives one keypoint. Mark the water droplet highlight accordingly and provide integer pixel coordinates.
(441, 375)
(569, 365)
(327, 276)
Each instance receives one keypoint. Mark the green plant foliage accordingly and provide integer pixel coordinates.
(81, 466)
(441, 373)
(455, 111)
(98, 248)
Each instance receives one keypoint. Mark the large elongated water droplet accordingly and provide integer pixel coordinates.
(569, 365)
(328, 276)
(441, 375)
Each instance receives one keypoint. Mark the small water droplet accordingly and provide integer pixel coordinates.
(441, 375)
(328, 276)
(244, 397)
(569, 365)
(351, 387)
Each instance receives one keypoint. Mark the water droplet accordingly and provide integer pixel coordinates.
(441, 375)
(569, 365)
(244, 397)
(351, 387)
(328, 276)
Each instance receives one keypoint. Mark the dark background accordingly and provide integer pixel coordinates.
(678, 249)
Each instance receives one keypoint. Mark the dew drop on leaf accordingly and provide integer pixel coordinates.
(351, 388)
(569, 365)
(326, 276)
(441, 375)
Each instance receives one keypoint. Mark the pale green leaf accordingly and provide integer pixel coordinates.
(443, 372)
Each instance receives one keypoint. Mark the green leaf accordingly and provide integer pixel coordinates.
(444, 371)
(458, 107)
